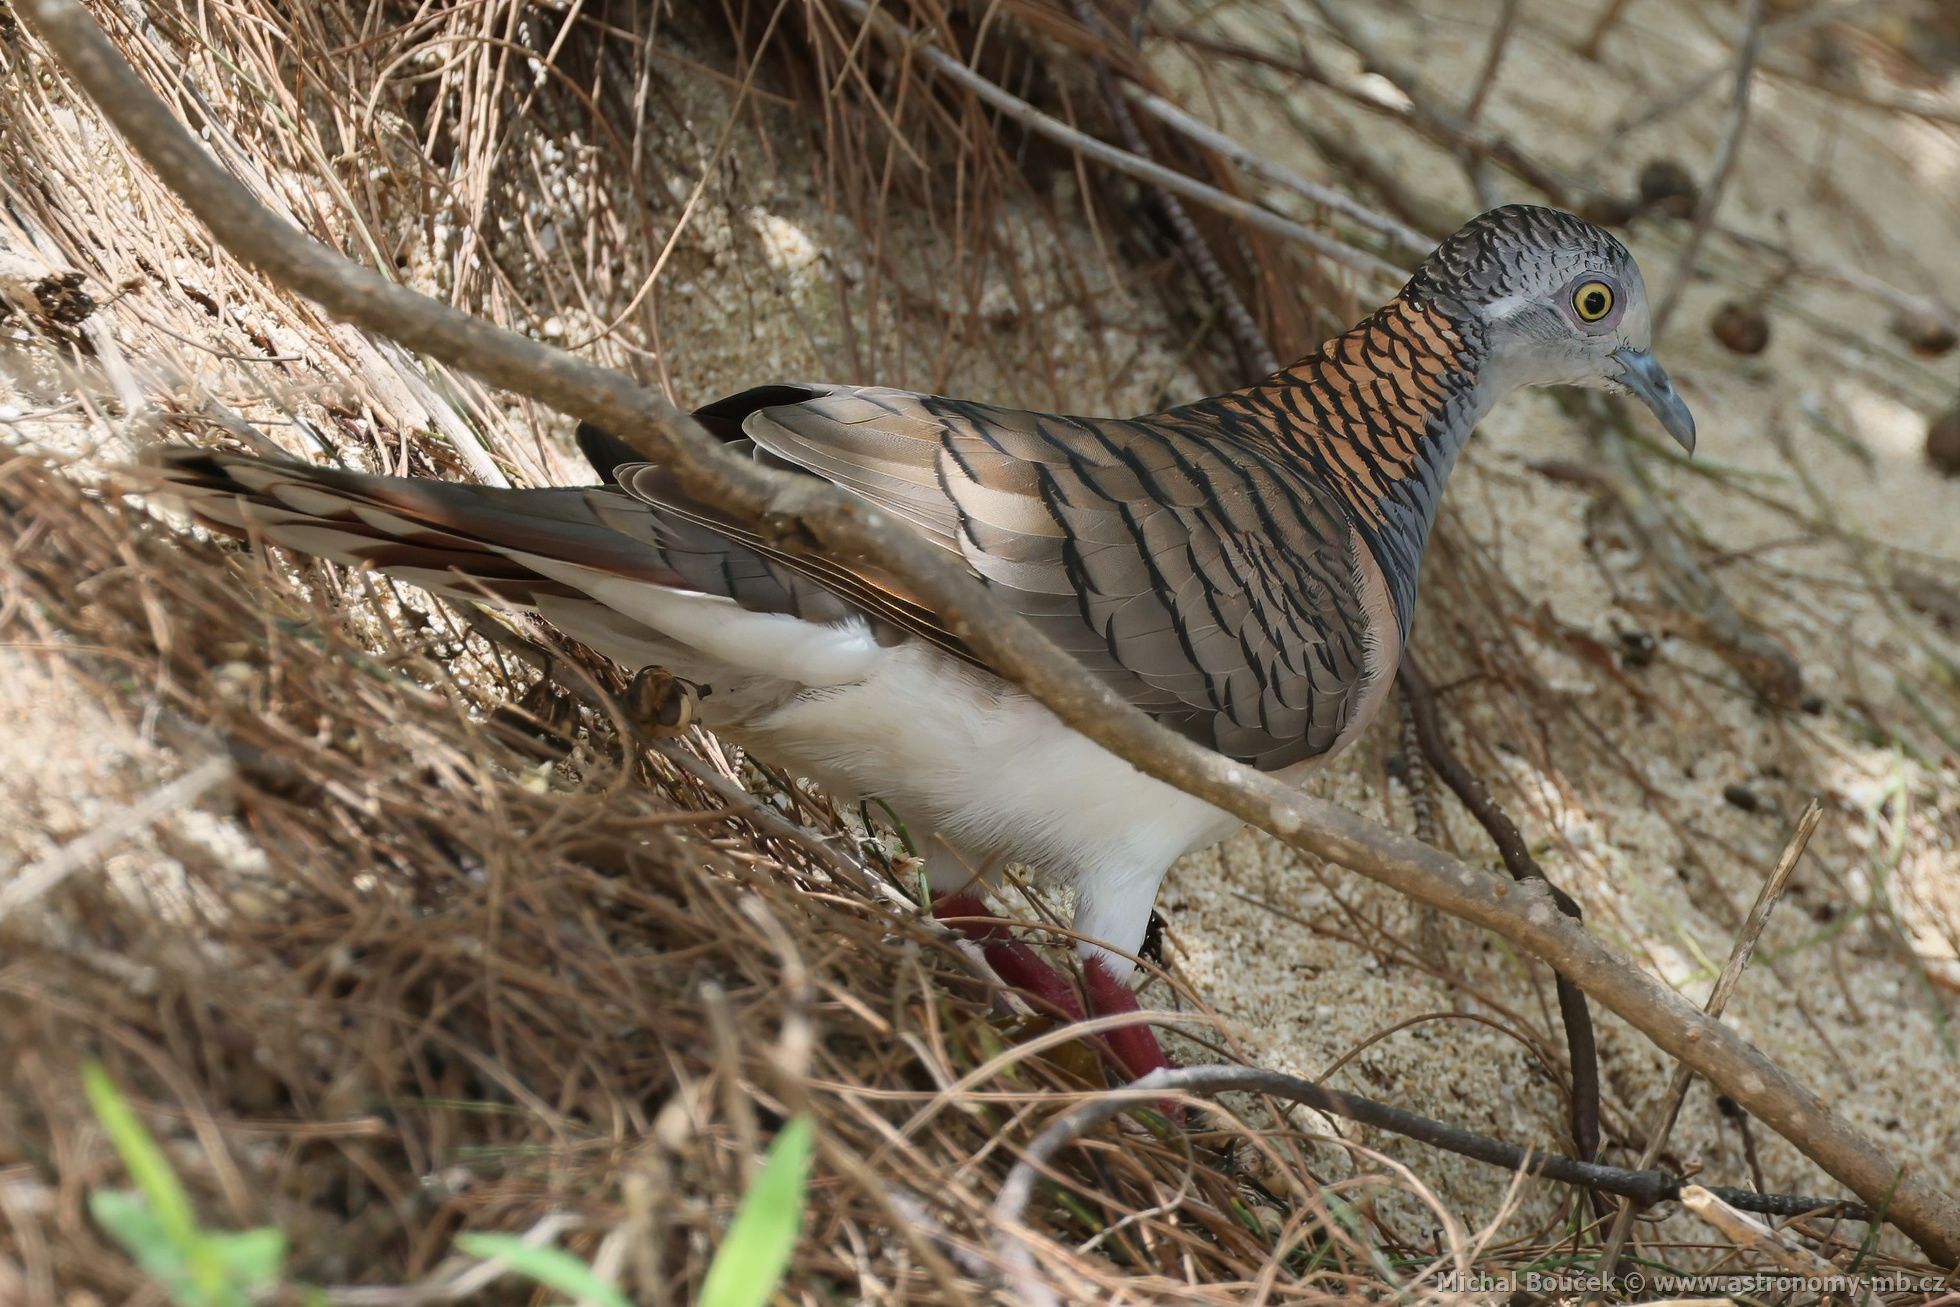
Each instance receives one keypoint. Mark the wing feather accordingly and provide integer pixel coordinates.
(1210, 585)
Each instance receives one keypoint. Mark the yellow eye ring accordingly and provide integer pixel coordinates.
(1592, 301)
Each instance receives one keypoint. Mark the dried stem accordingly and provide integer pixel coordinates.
(1718, 999)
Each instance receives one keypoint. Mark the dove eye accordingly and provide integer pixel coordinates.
(1592, 301)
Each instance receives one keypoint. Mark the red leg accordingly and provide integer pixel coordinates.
(1133, 1048)
(1014, 962)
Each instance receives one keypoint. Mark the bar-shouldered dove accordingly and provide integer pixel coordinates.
(1242, 568)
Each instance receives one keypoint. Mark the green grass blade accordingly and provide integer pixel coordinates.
(750, 1263)
(147, 1165)
(554, 1268)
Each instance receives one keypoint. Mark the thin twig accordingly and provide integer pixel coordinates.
(1725, 157)
(1437, 124)
(804, 514)
(1258, 165)
(1500, 39)
(1718, 998)
(1437, 120)
(1642, 1188)
(1581, 1046)
(1856, 279)
(1659, 104)
(18, 889)
(1767, 666)
(1253, 346)
(1122, 161)
(1608, 19)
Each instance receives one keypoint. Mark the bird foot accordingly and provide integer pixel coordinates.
(1132, 1050)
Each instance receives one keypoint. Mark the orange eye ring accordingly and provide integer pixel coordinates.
(1592, 301)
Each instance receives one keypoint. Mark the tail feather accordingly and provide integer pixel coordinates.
(397, 523)
(629, 576)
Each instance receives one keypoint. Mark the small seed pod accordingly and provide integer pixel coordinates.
(1742, 328)
(1666, 186)
(1926, 334)
(661, 703)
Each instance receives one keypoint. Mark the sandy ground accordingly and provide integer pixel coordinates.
(1309, 965)
(1841, 1002)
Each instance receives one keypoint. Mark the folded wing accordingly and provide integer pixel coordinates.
(1212, 585)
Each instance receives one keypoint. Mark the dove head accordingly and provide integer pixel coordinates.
(1559, 303)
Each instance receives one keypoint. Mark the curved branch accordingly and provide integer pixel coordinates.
(1475, 797)
(808, 515)
(1643, 1188)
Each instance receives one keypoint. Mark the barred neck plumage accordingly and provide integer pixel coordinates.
(1378, 414)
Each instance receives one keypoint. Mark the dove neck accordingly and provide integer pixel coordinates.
(1379, 415)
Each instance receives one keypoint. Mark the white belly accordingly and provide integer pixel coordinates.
(979, 772)
(960, 754)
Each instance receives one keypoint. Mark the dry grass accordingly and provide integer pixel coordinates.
(408, 972)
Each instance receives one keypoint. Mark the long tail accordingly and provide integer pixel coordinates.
(459, 540)
(639, 583)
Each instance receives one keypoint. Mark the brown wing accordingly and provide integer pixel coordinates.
(1213, 586)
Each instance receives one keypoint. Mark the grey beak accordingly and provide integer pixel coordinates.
(1642, 376)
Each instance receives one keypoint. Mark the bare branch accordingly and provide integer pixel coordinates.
(1252, 343)
(1258, 165)
(1500, 39)
(807, 515)
(1641, 1189)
